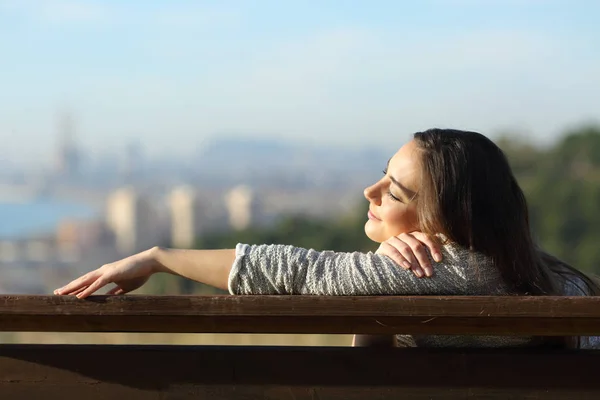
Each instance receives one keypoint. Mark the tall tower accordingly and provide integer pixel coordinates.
(186, 217)
(67, 157)
(132, 163)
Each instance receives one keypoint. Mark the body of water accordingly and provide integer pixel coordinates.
(20, 219)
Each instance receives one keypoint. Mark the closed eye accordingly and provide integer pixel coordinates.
(394, 198)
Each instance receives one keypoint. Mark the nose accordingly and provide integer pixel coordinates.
(373, 194)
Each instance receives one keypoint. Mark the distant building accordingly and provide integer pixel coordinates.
(39, 251)
(67, 162)
(186, 217)
(132, 221)
(242, 207)
(83, 234)
(9, 252)
(28, 252)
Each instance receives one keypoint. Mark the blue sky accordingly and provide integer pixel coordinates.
(172, 74)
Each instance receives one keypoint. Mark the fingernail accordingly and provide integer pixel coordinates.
(437, 257)
(407, 265)
(419, 273)
(428, 272)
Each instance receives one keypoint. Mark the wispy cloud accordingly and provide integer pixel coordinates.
(303, 69)
(336, 61)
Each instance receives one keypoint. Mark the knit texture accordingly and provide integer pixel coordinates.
(289, 270)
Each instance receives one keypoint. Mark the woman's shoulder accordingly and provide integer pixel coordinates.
(464, 257)
(480, 272)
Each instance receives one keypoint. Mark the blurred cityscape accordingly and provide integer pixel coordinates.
(123, 204)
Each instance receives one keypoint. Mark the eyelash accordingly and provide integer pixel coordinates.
(394, 198)
(389, 192)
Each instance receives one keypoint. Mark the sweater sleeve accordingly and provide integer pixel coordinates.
(282, 269)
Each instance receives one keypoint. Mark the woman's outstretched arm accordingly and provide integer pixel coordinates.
(211, 267)
(273, 269)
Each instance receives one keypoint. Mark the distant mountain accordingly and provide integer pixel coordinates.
(237, 152)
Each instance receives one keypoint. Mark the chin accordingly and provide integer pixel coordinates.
(372, 235)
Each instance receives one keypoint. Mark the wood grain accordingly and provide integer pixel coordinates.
(504, 315)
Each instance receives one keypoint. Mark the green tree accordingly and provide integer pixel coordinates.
(562, 185)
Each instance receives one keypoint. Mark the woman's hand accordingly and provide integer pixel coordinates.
(128, 274)
(409, 250)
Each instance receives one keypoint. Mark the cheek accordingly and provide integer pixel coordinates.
(400, 219)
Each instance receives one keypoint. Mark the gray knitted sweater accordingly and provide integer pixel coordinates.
(283, 269)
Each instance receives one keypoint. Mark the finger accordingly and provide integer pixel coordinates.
(390, 251)
(420, 252)
(72, 291)
(434, 246)
(78, 283)
(98, 284)
(115, 291)
(407, 252)
(75, 293)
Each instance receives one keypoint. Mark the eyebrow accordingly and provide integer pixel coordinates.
(409, 193)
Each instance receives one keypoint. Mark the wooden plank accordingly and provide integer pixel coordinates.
(186, 372)
(505, 315)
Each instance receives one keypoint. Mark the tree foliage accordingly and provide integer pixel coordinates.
(564, 198)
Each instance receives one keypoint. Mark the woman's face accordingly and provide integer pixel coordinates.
(392, 207)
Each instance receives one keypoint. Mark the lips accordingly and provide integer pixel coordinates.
(372, 216)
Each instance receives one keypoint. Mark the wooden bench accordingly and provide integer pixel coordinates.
(131, 372)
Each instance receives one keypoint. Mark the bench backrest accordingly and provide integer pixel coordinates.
(224, 372)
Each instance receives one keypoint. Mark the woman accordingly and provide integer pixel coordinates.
(455, 186)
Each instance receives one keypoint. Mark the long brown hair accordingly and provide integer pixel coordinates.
(469, 193)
